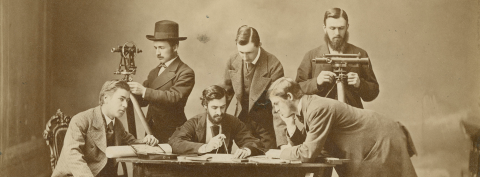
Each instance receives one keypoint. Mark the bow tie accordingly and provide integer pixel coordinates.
(162, 65)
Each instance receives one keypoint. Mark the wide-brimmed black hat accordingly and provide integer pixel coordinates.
(165, 30)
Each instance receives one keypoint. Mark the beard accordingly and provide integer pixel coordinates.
(215, 119)
(338, 43)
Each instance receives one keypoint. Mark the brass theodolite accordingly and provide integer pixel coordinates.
(127, 61)
(339, 62)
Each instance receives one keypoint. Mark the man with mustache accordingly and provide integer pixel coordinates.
(214, 130)
(90, 132)
(320, 80)
(168, 85)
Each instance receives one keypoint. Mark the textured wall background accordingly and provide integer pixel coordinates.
(424, 54)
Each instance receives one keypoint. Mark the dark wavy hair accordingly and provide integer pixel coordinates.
(212, 92)
(246, 34)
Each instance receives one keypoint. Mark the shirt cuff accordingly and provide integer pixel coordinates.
(202, 149)
(291, 131)
(248, 150)
(143, 94)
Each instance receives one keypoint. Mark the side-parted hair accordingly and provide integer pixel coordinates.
(110, 87)
(212, 92)
(285, 85)
(335, 13)
(245, 34)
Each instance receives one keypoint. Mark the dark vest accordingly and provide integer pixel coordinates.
(247, 83)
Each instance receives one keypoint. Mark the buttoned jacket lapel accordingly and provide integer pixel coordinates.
(236, 76)
(97, 133)
(261, 79)
(166, 75)
(322, 67)
(200, 130)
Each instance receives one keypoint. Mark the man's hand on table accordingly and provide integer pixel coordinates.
(273, 153)
(150, 140)
(242, 153)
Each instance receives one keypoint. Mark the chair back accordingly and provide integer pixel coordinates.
(54, 135)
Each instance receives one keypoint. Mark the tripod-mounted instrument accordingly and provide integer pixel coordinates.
(339, 63)
(127, 68)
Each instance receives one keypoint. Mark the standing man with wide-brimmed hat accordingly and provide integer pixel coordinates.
(168, 85)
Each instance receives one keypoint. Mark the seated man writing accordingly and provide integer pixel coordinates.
(91, 131)
(214, 130)
(376, 145)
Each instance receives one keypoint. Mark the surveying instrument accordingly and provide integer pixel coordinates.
(339, 63)
(127, 68)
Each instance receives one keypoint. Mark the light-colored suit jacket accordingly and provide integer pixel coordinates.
(83, 152)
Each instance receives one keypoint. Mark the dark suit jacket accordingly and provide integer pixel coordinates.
(188, 138)
(166, 96)
(376, 145)
(83, 152)
(308, 71)
(267, 70)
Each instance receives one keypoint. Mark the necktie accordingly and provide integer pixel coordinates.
(110, 134)
(162, 65)
(215, 130)
(249, 66)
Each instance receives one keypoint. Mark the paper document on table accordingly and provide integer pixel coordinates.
(119, 151)
(265, 159)
(147, 149)
(166, 147)
(219, 157)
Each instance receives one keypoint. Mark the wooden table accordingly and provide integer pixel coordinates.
(186, 168)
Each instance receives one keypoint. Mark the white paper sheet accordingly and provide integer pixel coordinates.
(120, 151)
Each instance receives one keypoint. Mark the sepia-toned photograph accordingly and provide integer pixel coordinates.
(308, 88)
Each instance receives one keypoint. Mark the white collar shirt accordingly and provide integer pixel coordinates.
(209, 130)
(166, 64)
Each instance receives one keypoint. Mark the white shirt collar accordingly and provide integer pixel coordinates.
(108, 119)
(299, 107)
(209, 130)
(258, 56)
(170, 61)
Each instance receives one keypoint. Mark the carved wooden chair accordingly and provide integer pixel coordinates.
(54, 135)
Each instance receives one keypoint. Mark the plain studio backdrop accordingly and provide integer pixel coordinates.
(424, 55)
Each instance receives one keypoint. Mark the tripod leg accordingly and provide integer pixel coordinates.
(340, 91)
(140, 114)
(131, 120)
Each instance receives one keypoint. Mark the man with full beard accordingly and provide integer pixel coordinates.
(320, 80)
(214, 130)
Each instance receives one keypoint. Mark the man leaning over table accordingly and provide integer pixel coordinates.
(376, 145)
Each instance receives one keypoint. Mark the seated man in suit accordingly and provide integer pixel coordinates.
(91, 131)
(212, 130)
(375, 144)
